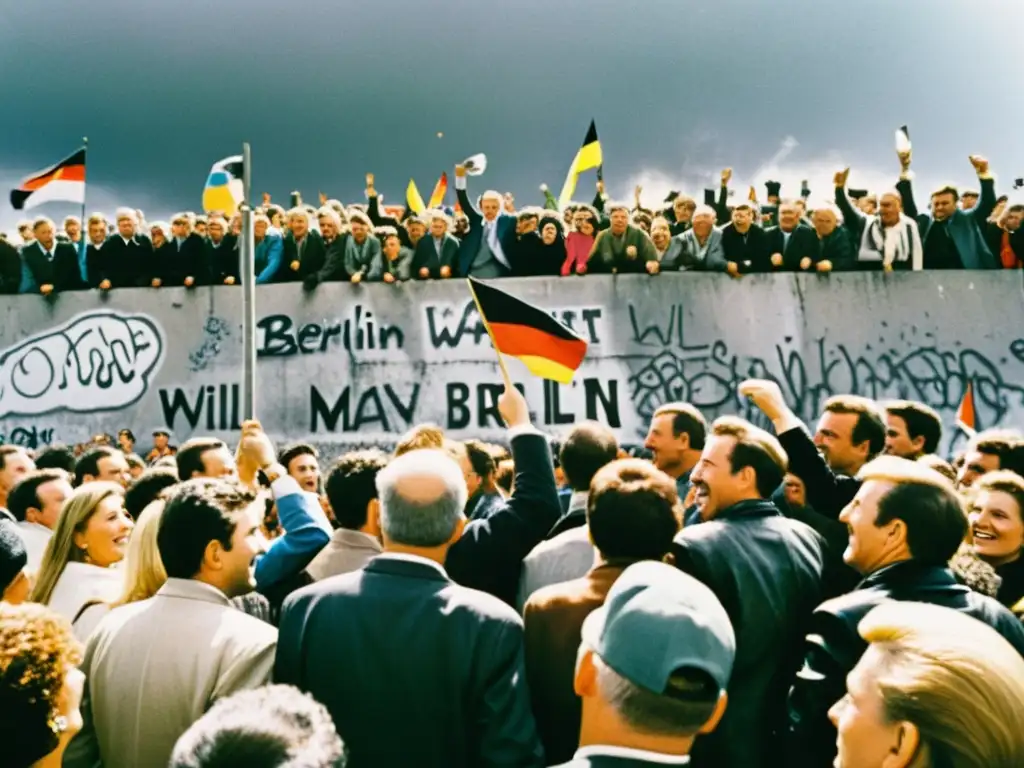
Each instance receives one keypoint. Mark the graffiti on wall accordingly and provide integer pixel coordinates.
(344, 367)
(97, 361)
(897, 364)
(31, 437)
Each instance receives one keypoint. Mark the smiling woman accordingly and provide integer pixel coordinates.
(91, 535)
(997, 530)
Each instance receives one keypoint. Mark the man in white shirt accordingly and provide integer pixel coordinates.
(36, 502)
(645, 703)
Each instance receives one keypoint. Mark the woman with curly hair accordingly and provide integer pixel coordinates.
(40, 686)
(91, 535)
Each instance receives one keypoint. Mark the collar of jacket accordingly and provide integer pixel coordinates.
(748, 509)
(911, 572)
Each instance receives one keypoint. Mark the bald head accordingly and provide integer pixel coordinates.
(422, 496)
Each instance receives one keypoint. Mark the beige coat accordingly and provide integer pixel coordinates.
(154, 667)
(347, 551)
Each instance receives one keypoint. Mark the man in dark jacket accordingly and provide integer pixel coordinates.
(905, 524)
(182, 259)
(767, 572)
(952, 237)
(792, 246)
(304, 250)
(10, 269)
(745, 244)
(53, 265)
(125, 257)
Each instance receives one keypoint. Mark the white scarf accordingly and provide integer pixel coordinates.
(891, 244)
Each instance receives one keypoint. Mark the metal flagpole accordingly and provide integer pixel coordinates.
(83, 230)
(247, 254)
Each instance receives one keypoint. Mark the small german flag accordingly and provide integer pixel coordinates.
(63, 182)
(545, 346)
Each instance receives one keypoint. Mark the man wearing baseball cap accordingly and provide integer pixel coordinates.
(653, 667)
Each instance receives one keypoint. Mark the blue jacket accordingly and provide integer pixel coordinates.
(307, 531)
(269, 252)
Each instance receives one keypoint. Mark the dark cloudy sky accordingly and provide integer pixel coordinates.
(329, 89)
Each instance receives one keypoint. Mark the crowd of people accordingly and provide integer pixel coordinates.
(737, 597)
(856, 230)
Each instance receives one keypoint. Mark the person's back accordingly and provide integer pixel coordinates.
(414, 669)
(400, 643)
(157, 665)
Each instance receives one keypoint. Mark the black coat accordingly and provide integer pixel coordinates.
(489, 555)
(61, 271)
(414, 669)
(425, 255)
(221, 260)
(10, 269)
(750, 251)
(803, 243)
(176, 261)
(838, 249)
(834, 646)
(125, 264)
(767, 572)
(314, 257)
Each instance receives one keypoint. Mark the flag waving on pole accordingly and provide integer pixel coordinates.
(63, 182)
(440, 190)
(545, 346)
(589, 156)
(223, 191)
(965, 413)
(413, 199)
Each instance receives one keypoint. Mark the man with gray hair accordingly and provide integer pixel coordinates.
(483, 249)
(382, 646)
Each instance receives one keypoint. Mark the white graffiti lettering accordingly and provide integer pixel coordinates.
(97, 361)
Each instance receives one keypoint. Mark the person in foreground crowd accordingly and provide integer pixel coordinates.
(934, 689)
(568, 552)
(400, 638)
(645, 702)
(997, 530)
(40, 686)
(275, 726)
(15, 583)
(767, 572)
(199, 648)
(35, 502)
(77, 568)
(905, 524)
(15, 463)
(352, 493)
(632, 514)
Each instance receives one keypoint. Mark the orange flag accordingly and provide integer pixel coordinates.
(440, 190)
(752, 195)
(965, 413)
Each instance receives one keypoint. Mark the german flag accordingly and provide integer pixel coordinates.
(440, 190)
(547, 348)
(63, 182)
(589, 156)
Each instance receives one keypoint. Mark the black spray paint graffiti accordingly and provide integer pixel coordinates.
(281, 336)
(32, 438)
(448, 326)
(707, 375)
(215, 330)
(97, 361)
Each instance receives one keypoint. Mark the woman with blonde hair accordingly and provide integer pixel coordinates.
(935, 689)
(143, 571)
(91, 535)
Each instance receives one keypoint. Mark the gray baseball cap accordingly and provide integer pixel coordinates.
(656, 620)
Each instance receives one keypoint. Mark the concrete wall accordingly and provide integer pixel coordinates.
(356, 365)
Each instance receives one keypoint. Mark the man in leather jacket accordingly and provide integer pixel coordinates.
(905, 523)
